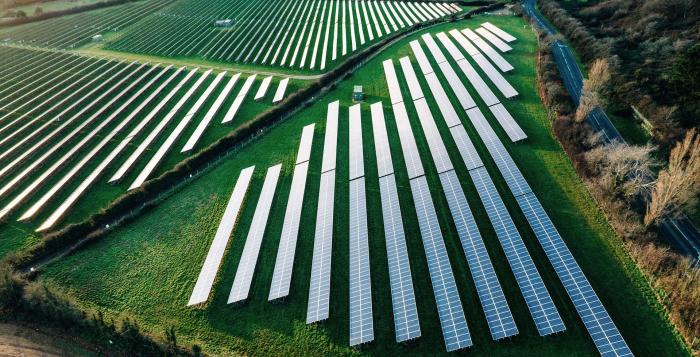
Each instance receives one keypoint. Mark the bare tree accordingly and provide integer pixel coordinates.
(594, 88)
(678, 185)
(626, 169)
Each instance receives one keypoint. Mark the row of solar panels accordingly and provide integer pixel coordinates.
(94, 98)
(599, 324)
(452, 318)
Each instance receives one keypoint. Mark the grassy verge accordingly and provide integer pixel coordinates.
(147, 269)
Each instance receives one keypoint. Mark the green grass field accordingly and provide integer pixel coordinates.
(146, 270)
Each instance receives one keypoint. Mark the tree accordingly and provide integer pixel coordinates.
(678, 185)
(626, 169)
(595, 88)
(21, 14)
(38, 11)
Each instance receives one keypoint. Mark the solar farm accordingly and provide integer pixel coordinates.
(435, 215)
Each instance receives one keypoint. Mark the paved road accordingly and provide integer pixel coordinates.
(681, 232)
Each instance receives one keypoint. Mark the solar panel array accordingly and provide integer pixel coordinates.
(320, 285)
(513, 130)
(495, 306)
(361, 324)
(539, 302)
(90, 179)
(249, 257)
(282, 275)
(502, 46)
(598, 322)
(202, 287)
(175, 134)
(213, 109)
(231, 113)
(487, 49)
(475, 54)
(498, 32)
(406, 323)
(136, 154)
(452, 320)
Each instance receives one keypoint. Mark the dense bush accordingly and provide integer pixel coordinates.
(29, 302)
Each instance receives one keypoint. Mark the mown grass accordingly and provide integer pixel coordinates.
(147, 269)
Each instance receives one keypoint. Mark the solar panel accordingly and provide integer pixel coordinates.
(356, 161)
(411, 80)
(374, 18)
(367, 23)
(381, 141)
(417, 11)
(119, 174)
(466, 147)
(452, 320)
(537, 298)
(454, 52)
(361, 324)
(495, 306)
(175, 134)
(353, 42)
(90, 179)
(213, 109)
(330, 140)
(282, 274)
(498, 32)
(406, 321)
(422, 59)
(598, 322)
(485, 47)
(320, 285)
(392, 82)
(414, 165)
(86, 157)
(481, 87)
(262, 90)
(231, 113)
(446, 109)
(496, 77)
(408, 142)
(434, 49)
(391, 5)
(307, 136)
(493, 301)
(515, 133)
(432, 136)
(412, 19)
(249, 258)
(471, 50)
(319, 288)
(502, 46)
(506, 166)
(279, 94)
(202, 287)
(465, 99)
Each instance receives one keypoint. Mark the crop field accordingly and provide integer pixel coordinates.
(305, 34)
(77, 30)
(147, 269)
(76, 132)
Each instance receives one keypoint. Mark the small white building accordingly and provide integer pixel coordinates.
(223, 23)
